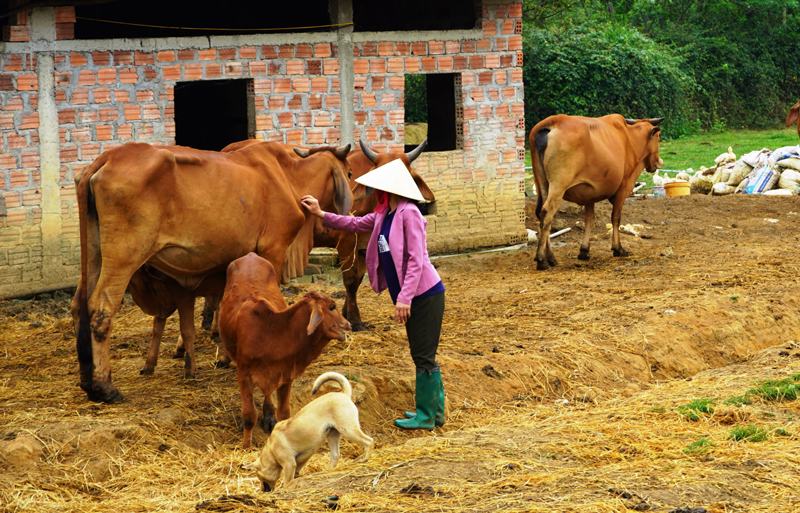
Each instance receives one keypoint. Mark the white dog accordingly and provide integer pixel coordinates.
(293, 441)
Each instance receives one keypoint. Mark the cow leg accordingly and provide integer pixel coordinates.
(103, 306)
(268, 420)
(284, 401)
(207, 315)
(249, 415)
(617, 201)
(352, 280)
(588, 222)
(155, 344)
(544, 253)
(180, 348)
(186, 316)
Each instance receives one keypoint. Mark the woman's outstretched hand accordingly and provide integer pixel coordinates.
(402, 312)
(312, 205)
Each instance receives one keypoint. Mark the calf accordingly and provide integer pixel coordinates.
(270, 343)
(159, 295)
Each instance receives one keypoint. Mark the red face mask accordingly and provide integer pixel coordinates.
(383, 201)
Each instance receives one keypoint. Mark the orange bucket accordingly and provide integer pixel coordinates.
(680, 188)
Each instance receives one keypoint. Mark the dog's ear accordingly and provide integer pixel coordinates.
(253, 467)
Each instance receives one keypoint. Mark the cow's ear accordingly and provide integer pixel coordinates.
(794, 113)
(361, 191)
(316, 317)
(654, 131)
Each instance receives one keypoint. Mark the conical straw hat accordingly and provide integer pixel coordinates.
(392, 177)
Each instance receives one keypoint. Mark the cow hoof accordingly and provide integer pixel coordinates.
(146, 372)
(179, 355)
(268, 424)
(219, 364)
(552, 261)
(620, 253)
(359, 327)
(583, 255)
(542, 265)
(186, 375)
(109, 396)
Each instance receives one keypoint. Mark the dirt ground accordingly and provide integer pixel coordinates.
(565, 388)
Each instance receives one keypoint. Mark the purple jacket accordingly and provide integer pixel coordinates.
(407, 245)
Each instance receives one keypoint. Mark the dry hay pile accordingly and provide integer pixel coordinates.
(561, 386)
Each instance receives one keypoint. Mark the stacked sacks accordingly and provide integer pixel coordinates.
(758, 172)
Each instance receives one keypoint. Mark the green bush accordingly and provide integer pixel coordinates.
(603, 69)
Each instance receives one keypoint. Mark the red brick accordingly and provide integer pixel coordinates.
(98, 58)
(65, 14)
(294, 137)
(125, 131)
(108, 114)
(186, 55)
(140, 58)
(377, 82)
(227, 54)
(360, 66)
(269, 52)
(332, 101)
(63, 77)
(213, 70)
(436, 47)
(301, 85)
(394, 65)
(515, 10)
(322, 50)
(519, 59)
(257, 68)
(444, 63)
(489, 28)
(509, 27)
(104, 132)
(145, 96)
(315, 101)
(515, 43)
(368, 100)
(233, 68)
(492, 61)
(30, 159)
(304, 51)
(369, 49)
(16, 141)
(68, 153)
(66, 116)
(80, 96)
(30, 121)
(476, 94)
(27, 82)
(429, 63)
(387, 99)
(248, 52)
(123, 57)
(128, 76)
(80, 134)
(360, 117)
(151, 111)
(169, 111)
(172, 72)
(296, 102)
(263, 122)
(516, 76)
(294, 67)
(107, 76)
(377, 65)
(86, 77)
(262, 86)
(77, 59)
(330, 67)
(285, 120)
(500, 44)
(398, 83)
(315, 136)
(150, 73)
(16, 33)
(500, 11)
(166, 56)
(419, 49)
(276, 103)
(7, 121)
(207, 55)
(470, 113)
(192, 71)
(274, 68)
(132, 112)
(500, 77)
(18, 179)
(385, 48)
(494, 94)
(319, 84)
(476, 61)
(286, 51)
(322, 119)
(121, 96)
(460, 62)
(313, 67)
(282, 85)
(402, 48)
(412, 64)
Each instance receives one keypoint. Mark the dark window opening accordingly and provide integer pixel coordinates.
(369, 15)
(210, 115)
(147, 18)
(433, 110)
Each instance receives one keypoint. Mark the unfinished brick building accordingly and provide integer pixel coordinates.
(76, 81)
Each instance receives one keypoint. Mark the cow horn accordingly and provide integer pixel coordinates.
(413, 154)
(303, 152)
(371, 155)
(656, 121)
(341, 152)
(630, 121)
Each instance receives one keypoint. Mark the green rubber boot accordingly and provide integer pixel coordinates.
(438, 419)
(427, 398)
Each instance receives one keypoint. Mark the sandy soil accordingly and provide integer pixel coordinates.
(563, 386)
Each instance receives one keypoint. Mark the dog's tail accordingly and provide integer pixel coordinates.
(333, 376)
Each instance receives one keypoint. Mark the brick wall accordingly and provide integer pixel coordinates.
(105, 98)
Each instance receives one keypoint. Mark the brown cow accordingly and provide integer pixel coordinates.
(270, 343)
(187, 213)
(351, 247)
(159, 295)
(791, 118)
(586, 160)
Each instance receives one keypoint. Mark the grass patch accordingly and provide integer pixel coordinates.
(737, 401)
(699, 446)
(777, 389)
(749, 433)
(693, 410)
(352, 377)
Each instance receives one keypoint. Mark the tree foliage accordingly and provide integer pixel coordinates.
(708, 63)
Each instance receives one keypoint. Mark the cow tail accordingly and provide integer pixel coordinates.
(539, 145)
(87, 210)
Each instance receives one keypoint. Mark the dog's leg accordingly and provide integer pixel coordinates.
(288, 474)
(301, 462)
(356, 435)
(333, 444)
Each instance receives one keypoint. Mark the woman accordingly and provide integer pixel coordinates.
(397, 259)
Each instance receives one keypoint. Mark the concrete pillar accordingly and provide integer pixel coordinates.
(43, 36)
(342, 12)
